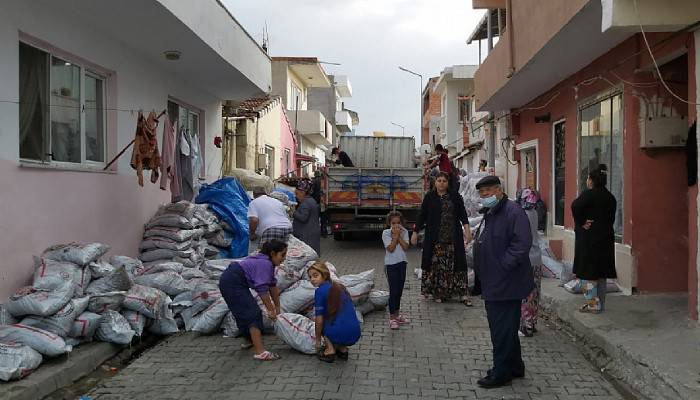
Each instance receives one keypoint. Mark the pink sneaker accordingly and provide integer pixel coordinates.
(402, 320)
(393, 324)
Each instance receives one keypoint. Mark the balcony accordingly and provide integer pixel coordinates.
(343, 121)
(549, 43)
(342, 85)
(313, 126)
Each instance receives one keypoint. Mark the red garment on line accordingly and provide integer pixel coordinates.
(145, 154)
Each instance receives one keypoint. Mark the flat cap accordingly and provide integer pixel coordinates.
(487, 181)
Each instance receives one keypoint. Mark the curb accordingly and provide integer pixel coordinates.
(56, 373)
(633, 374)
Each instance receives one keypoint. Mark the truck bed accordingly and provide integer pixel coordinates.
(374, 187)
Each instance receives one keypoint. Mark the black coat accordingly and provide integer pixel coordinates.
(429, 219)
(594, 256)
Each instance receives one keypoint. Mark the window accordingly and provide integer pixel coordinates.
(62, 115)
(287, 162)
(600, 142)
(465, 111)
(296, 98)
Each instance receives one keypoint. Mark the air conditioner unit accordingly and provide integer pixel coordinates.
(263, 161)
(663, 131)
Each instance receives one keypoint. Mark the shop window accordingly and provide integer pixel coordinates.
(62, 110)
(600, 142)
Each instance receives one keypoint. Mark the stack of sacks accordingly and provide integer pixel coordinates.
(183, 232)
(77, 297)
(470, 196)
(48, 310)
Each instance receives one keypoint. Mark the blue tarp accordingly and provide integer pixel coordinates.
(229, 201)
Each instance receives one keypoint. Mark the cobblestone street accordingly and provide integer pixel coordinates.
(442, 354)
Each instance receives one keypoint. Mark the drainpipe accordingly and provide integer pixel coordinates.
(257, 143)
(489, 33)
(509, 32)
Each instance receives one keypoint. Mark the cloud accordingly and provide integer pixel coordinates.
(370, 38)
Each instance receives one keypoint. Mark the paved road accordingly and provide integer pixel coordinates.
(440, 355)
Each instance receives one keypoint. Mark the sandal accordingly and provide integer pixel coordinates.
(267, 356)
(246, 345)
(589, 309)
(468, 302)
(342, 355)
(329, 358)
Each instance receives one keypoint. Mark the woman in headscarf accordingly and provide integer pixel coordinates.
(444, 261)
(306, 225)
(529, 309)
(594, 252)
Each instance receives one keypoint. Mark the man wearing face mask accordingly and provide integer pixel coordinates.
(502, 263)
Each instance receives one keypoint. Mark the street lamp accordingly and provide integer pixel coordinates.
(420, 97)
(403, 128)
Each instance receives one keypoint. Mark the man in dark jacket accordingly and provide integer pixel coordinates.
(502, 263)
(343, 158)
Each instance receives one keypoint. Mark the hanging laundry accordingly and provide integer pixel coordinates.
(196, 164)
(185, 165)
(145, 154)
(168, 159)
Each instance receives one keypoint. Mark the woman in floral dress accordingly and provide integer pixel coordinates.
(529, 309)
(447, 230)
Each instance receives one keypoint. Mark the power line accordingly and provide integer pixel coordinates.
(653, 59)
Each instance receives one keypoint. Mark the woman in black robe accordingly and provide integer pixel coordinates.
(594, 257)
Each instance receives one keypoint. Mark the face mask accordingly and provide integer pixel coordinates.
(490, 201)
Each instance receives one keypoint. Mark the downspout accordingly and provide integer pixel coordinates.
(257, 143)
(509, 32)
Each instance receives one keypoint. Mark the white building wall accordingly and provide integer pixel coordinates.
(42, 207)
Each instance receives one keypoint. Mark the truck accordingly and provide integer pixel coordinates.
(385, 177)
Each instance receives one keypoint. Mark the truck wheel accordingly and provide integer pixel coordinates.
(338, 236)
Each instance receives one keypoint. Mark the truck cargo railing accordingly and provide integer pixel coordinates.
(374, 187)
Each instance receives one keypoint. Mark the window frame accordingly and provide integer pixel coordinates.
(600, 97)
(86, 69)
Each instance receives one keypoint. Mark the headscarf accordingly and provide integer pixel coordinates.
(304, 186)
(528, 198)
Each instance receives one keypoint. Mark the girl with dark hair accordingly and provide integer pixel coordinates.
(336, 321)
(444, 261)
(594, 255)
(395, 240)
(255, 272)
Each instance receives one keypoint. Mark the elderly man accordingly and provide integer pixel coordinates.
(501, 251)
(267, 218)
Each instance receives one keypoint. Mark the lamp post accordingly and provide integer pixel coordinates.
(403, 128)
(420, 98)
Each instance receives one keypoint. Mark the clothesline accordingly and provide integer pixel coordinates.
(132, 111)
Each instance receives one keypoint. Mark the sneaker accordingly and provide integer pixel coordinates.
(393, 324)
(402, 320)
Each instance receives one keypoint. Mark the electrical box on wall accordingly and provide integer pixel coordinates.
(263, 161)
(663, 132)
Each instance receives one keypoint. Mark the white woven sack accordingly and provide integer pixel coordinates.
(297, 331)
(17, 361)
(77, 253)
(114, 328)
(44, 342)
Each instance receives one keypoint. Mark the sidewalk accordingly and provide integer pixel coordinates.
(645, 342)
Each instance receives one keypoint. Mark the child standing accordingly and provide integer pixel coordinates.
(336, 320)
(396, 242)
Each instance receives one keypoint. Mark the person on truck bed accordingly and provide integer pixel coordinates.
(343, 158)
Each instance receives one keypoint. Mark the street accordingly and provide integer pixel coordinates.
(440, 355)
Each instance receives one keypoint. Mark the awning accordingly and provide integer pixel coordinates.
(469, 149)
(304, 157)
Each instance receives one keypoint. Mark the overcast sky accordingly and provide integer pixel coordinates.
(370, 38)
